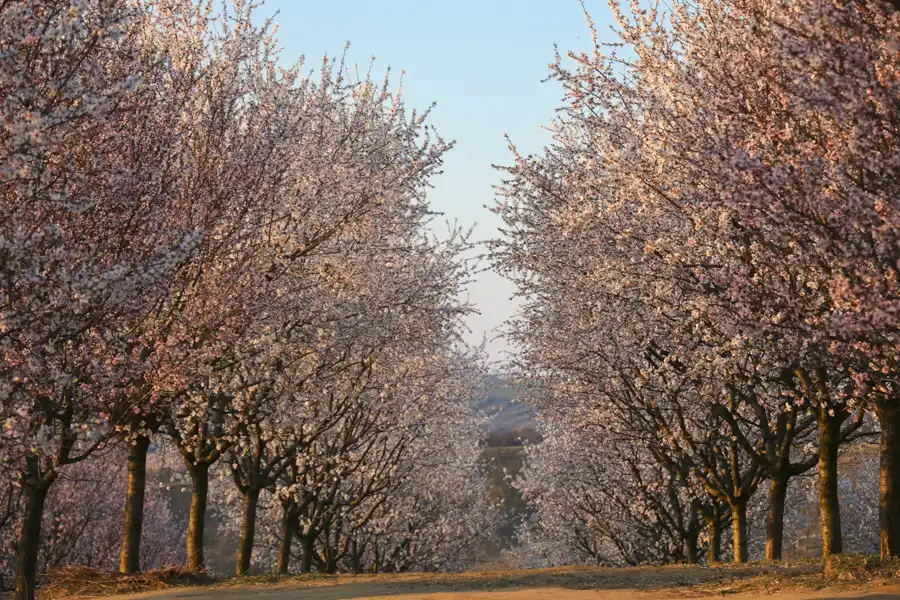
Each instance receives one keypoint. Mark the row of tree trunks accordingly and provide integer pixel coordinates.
(829, 508)
(830, 422)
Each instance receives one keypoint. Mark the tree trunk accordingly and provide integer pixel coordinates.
(309, 547)
(355, 557)
(829, 508)
(691, 549)
(199, 495)
(130, 553)
(713, 529)
(288, 529)
(331, 562)
(29, 540)
(889, 510)
(376, 566)
(775, 523)
(739, 532)
(248, 531)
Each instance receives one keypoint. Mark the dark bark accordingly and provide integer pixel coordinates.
(130, 554)
(691, 548)
(775, 520)
(889, 507)
(309, 549)
(248, 531)
(376, 564)
(355, 557)
(739, 532)
(829, 508)
(199, 495)
(331, 562)
(330, 544)
(35, 494)
(288, 530)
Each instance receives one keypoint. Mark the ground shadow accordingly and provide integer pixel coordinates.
(636, 579)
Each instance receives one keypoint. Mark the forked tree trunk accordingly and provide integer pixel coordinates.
(829, 508)
(130, 553)
(248, 531)
(35, 494)
(199, 495)
(739, 532)
(288, 530)
(889, 507)
(775, 519)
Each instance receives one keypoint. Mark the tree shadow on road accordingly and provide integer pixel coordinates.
(645, 579)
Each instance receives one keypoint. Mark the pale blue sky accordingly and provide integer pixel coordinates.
(482, 61)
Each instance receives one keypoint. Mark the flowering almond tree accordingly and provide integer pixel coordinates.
(358, 157)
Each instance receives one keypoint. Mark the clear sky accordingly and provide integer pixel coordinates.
(482, 62)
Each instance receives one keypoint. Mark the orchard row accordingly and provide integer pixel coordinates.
(708, 256)
(209, 253)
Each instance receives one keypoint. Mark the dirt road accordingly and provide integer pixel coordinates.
(675, 583)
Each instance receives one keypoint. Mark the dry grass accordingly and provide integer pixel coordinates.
(842, 571)
(75, 581)
(855, 567)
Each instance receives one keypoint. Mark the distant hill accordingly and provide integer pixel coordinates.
(506, 413)
(510, 425)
